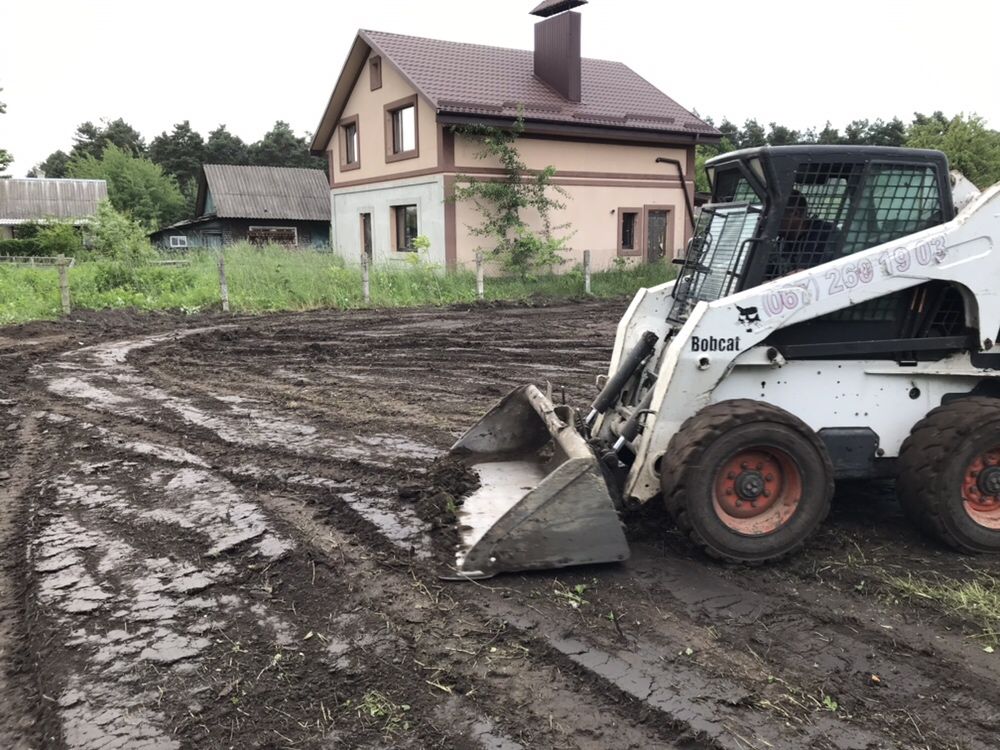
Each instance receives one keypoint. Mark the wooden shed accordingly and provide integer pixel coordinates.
(23, 201)
(261, 205)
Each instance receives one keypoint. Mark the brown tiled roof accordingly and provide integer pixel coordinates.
(496, 81)
(241, 192)
(551, 7)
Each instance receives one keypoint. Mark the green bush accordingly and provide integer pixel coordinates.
(20, 247)
(27, 231)
(59, 238)
(114, 236)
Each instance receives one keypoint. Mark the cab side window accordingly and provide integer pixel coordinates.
(896, 200)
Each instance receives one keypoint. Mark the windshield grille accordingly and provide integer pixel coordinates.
(715, 256)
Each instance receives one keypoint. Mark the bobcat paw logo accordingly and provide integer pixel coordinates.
(749, 318)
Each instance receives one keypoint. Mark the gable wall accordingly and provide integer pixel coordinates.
(369, 107)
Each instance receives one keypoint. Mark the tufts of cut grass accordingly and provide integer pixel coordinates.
(976, 600)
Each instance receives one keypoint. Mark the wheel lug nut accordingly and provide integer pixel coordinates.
(731, 475)
(744, 465)
(767, 493)
(760, 466)
(769, 478)
(730, 492)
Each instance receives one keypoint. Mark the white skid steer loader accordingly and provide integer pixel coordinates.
(835, 316)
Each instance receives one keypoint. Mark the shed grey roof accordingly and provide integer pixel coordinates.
(240, 192)
(497, 82)
(24, 200)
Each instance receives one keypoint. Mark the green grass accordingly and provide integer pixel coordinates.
(976, 600)
(275, 279)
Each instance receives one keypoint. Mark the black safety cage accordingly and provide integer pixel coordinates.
(714, 262)
(777, 210)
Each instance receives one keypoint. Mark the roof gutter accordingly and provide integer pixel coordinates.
(561, 128)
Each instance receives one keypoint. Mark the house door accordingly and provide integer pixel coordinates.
(366, 235)
(658, 244)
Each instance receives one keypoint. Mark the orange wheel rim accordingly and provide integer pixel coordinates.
(981, 489)
(757, 490)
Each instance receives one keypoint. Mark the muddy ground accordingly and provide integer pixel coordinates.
(214, 537)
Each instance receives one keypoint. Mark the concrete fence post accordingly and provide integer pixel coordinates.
(63, 265)
(586, 271)
(223, 283)
(480, 281)
(366, 287)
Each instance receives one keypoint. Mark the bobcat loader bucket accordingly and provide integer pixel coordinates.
(543, 501)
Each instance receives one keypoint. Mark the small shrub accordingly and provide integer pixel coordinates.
(114, 236)
(59, 238)
(27, 231)
(530, 252)
(20, 247)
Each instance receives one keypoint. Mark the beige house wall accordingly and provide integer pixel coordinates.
(369, 107)
(592, 215)
(577, 157)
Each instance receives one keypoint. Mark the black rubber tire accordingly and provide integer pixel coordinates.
(706, 440)
(932, 464)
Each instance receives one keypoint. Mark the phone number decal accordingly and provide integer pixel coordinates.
(894, 262)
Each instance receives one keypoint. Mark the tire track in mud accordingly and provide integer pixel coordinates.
(18, 694)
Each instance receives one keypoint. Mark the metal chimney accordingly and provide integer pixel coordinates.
(557, 47)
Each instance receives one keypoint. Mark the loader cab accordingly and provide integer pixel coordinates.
(777, 210)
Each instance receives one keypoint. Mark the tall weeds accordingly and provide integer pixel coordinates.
(276, 279)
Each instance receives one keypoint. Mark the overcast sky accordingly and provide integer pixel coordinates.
(249, 63)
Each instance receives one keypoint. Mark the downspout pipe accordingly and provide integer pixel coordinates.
(687, 195)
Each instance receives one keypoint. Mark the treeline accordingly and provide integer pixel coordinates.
(156, 184)
(971, 146)
(5, 155)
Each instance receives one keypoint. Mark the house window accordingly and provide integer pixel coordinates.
(404, 228)
(273, 236)
(375, 68)
(350, 144)
(658, 243)
(401, 130)
(629, 231)
(178, 241)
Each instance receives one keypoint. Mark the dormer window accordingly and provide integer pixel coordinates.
(401, 130)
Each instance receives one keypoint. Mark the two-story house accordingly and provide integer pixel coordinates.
(389, 132)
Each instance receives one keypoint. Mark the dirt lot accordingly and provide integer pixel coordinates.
(206, 546)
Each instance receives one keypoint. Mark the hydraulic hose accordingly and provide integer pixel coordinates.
(631, 427)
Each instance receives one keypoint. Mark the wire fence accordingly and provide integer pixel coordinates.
(253, 279)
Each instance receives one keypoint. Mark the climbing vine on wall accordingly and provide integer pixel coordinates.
(501, 203)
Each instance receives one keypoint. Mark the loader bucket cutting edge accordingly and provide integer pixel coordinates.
(543, 501)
